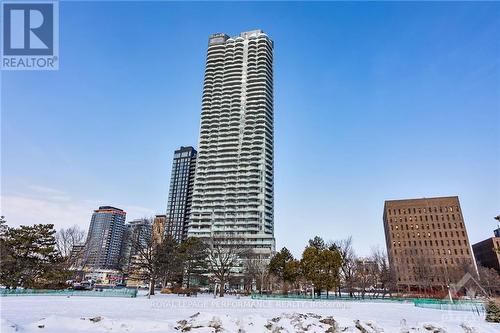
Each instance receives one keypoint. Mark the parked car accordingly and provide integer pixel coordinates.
(84, 285)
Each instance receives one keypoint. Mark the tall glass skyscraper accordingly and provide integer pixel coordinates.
(233, 189)
(180, 193)
(104, 240)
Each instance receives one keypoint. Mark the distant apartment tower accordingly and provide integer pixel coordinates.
(104, 239)
(233, 194)
(136, 235)
(427, 242)
(76, 256)
(180, 193)
(487, 252)
(159, 226)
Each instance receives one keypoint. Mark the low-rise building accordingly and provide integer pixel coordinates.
(104, 276)
(487, 252)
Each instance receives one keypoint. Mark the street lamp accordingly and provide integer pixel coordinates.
(312, 295)
(497, 231)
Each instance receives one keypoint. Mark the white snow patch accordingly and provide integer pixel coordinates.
(169, 314)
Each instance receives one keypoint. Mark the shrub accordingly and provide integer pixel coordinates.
(166, 291)
(493, 311)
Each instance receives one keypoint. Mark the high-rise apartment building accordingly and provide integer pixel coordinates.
(427, 242)
(159, 228)
(180, 193)
(233, 194)
(104, 239)
(136, 234)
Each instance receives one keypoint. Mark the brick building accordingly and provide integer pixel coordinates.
(487, 252)
(427, 242)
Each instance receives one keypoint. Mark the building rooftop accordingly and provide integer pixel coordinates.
(185, 148)
(221, 38)
(420, 199)
(109, 208)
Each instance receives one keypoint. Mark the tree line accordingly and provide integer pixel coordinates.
(39, 257)
(327, 267)
(331, 267)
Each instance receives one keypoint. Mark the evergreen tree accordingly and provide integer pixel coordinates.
(193, 255)
(310, 265)
(292, 271)
(493, 311)
(278, 263)
(3, 227)
(29, 258)
(331, 262)
(320, 265)
(317, 242)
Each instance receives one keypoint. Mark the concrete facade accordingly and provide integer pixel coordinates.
(233, 195)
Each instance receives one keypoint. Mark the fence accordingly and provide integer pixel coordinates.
(331, 297)
(472, 306)
(69, 292)
(476, 307)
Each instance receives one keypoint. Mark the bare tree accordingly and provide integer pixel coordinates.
(463, 277)
(257, 269)
(224, 255)
(69, 243)
(423, 273)
(153, 260)
(348, 263)
(365, 276)
(67, 238)
(386, 280)
(490, 280)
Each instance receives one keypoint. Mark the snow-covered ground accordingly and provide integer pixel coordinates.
(171, 313)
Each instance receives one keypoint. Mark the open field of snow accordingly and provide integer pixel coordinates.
(171, 313)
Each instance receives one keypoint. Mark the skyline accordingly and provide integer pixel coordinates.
(393, 106)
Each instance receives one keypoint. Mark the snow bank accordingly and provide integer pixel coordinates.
(169, 313)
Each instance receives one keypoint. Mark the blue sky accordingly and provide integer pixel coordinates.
(373, 101)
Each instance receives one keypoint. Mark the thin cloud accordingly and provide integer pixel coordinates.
(23, 210)
(45, 189)
(48, 192)
(58, 209)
